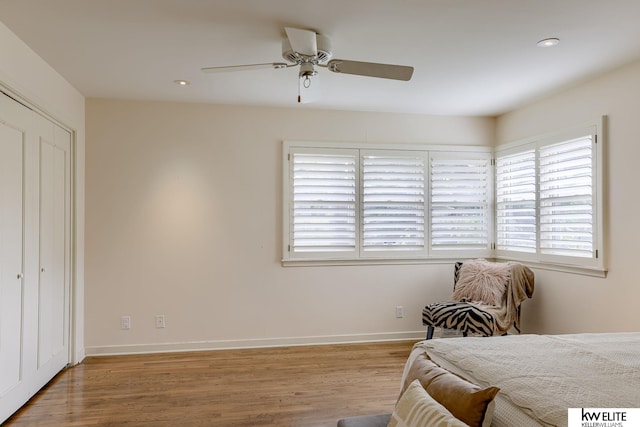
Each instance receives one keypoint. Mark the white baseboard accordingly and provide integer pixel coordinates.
(251, 343)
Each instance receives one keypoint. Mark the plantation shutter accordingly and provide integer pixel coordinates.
(393, 202)
(516, 202)
(324, 202)
(460, 193)
(540, 201)
(566, 198)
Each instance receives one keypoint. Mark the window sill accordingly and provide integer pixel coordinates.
(346, 262)
(586, 271)
(573, 269)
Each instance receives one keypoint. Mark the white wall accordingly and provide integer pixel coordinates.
(568, 303)
(184, 218)
(25, 74)
(184, 213)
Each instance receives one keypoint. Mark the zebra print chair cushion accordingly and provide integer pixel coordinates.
(462, 316)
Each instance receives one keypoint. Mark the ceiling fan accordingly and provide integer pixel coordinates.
(308, 49)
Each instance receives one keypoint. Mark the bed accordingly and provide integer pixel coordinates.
(541, 376)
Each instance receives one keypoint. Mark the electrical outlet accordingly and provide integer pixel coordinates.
(125, 322)
(399, 311)
(160, 321)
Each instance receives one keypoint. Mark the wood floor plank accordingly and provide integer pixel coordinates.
(285, 386)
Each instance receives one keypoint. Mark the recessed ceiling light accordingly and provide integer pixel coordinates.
(181, 82)
(548, 42)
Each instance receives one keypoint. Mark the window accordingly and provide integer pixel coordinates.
(460, 202)
(566, 198)
(516, 219)
(374, 202)
(393, 202)
(548, 199)
(537, 201)
(324, 202)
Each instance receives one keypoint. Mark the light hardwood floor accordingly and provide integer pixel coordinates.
(287, 386)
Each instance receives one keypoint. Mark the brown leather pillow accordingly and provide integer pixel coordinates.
(466, 401)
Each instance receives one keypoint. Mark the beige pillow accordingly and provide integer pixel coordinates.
(468, 402)
(482, 281)
(416, 408)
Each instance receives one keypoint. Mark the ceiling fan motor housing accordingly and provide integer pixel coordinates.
(324, 51)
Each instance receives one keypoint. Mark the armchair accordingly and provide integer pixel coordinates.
(486, 299)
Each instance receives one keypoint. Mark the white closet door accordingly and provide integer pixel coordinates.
(11, 272)
(35, 232)
(53, 286)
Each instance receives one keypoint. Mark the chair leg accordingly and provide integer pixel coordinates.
(430, 329)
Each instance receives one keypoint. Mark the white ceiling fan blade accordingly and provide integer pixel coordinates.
(370, 69)
(303, 42)
(276, 65)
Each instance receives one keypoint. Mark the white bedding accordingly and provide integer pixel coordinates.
(540, 376)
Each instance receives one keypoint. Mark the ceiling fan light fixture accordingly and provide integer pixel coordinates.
(181, 82)
(307, 70)
(308, 88)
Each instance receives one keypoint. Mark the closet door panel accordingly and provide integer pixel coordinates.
(53, 280)
(11, 268)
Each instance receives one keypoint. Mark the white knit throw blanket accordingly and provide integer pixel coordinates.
(548, 374)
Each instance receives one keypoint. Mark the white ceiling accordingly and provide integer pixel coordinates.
(471, 57)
